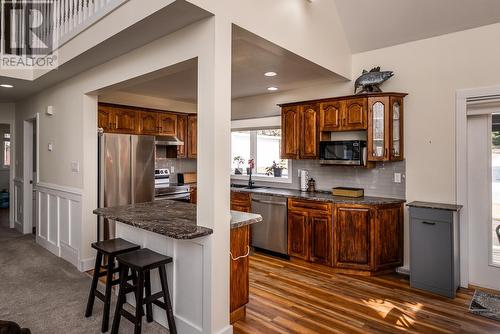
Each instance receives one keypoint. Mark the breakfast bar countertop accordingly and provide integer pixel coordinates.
(170, 218)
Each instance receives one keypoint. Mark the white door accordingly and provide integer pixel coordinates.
(483, 180)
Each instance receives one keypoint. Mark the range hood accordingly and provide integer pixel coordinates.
(168, 141)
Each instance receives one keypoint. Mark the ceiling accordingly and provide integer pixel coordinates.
(252, 56)
(163, 22)
(370, 24)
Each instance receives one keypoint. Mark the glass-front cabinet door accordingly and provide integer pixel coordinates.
(378, 128)
(396, 129)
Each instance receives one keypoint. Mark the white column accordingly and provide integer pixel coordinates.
(214, 135)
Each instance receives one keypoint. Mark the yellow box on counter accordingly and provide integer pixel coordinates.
(348, 192)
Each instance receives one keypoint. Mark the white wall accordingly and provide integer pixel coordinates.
(143, 101)
(310, 29)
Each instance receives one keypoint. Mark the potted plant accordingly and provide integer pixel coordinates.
(276, 169)
(239, 161)
(251, 165)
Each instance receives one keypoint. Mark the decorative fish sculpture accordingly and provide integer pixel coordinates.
(370, 81)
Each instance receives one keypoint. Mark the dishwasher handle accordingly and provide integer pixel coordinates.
(269, 202)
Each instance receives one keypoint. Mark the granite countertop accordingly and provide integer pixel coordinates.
(319, 196)
(170, 218)
(439, 206)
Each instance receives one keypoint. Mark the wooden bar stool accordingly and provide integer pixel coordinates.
(110, 248)
(141, 262)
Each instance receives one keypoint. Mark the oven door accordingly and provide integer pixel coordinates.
(181, 197)
(341, 153)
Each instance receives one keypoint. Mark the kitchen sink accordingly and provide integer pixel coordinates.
(244, 186)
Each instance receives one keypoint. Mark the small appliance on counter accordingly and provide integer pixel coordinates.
(311, 187)
(183, 178)
(345, 152)
(304, 179)
(348, 192)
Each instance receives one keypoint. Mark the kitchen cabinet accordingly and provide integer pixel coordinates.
(309, 135)
(241, 201)
(182, 135)
(350, 238)
(123, 120)
(310, 231)
(379, 115)
(290, 133)
(192, 136)
(167, 124)
(105, 117)
(239, 275)
(148, 123)
(396, 128)
(193, 195)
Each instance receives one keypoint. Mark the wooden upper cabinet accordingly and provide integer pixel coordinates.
(167, 124)
(298, 234)
(148, 123)
(105, 117)
(396, 128)
(355, 114)
(378, 128)
(309, 135)
(182, 135)
(290, 133)
(352, 238)
(192, 136)
(330, 118)
(124, 120)
(321, 238)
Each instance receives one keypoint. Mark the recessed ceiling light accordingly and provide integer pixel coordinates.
(272, 88)
(6, 86)
(270, 74)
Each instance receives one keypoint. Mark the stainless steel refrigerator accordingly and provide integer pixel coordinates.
(126, 174)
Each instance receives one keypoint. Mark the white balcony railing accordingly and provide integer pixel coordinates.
(69, 18)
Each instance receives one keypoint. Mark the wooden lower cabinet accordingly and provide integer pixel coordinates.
(240, 248)
(355, 239)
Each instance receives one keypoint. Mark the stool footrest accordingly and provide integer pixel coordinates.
(153, 297)
(160, 304)
(128, 316)
(99, 295)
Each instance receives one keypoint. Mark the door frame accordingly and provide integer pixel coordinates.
(28, 212)
(463, 100)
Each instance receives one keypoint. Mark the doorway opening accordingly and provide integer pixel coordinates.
(30, 175)
(5, 165)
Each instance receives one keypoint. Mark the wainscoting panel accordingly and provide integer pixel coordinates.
(59, 220)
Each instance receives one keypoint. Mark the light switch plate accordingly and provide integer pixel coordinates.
(50, 147)
(397, 177)
(75, 166)
(172, 170)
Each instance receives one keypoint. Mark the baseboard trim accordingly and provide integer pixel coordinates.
(86, 264)
(227, 330)
(48, 246)
(69, 254)
(405, 270)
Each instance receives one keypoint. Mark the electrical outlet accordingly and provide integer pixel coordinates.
(172, 170)
(75, 166)
(50, 147)
(397, 177)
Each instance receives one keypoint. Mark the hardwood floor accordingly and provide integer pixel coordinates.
(287, 297)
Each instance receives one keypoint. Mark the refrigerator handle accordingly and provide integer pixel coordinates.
(132, 169)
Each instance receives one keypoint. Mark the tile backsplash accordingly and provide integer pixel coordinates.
(377, 181)
(180, 165)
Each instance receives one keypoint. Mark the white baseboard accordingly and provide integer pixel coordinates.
(227, 330)
(86, 264)
(405, 270)
(69, 254)
(48, 245)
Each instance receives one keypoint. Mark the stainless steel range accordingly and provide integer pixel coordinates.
(165, 189)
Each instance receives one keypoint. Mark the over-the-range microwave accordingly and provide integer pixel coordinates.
(345, 152)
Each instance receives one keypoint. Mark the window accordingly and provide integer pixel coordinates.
(6, 149)
(262, 145)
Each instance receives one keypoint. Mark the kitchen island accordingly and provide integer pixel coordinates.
(170, 228)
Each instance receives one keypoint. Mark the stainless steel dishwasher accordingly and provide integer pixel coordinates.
(271, 234)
